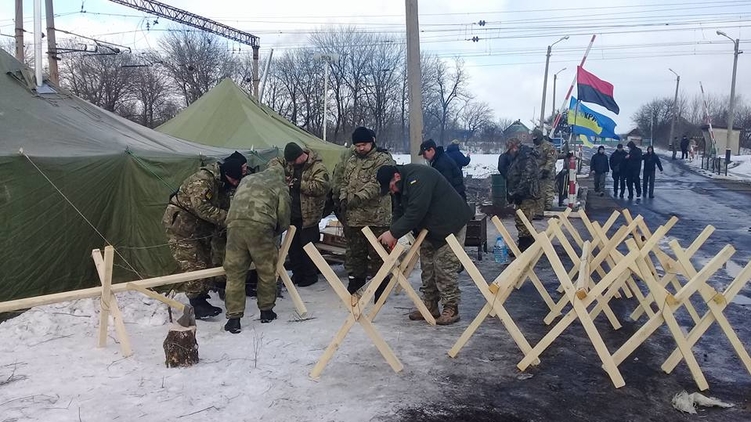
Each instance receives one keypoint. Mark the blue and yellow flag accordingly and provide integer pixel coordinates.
(589, 123)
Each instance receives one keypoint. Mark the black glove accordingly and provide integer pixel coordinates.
(355, 201)
(545, 174)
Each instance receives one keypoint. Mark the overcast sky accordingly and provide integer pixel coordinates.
(637, 40)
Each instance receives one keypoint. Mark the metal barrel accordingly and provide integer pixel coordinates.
(498, 190)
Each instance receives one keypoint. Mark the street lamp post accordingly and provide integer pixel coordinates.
(555, 78)
(731, 111)
(327, 59)
(675, 112)
(545, 82)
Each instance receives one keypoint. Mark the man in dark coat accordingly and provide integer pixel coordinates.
(651, 160)
(424, 201)
(460, 159)
(633, 168)
(445, 165)
(600, 167)
(684, 147)
(617, 158)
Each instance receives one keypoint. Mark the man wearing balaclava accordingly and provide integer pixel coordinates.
(193, 214)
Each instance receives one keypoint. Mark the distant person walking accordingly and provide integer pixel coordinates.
(633, 168)
(617, 161)
(651, 160)
(600, 167)
(684, 147)
(460, 159)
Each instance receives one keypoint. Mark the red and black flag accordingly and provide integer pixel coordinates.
(594, 90)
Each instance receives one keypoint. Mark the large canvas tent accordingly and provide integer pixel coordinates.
(119, 175)
(228, 117)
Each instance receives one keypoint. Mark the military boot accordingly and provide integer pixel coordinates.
(381, 288)
(355, 283)
(432, 308)
(449, 316)
(203, 308)
(525, 242)
(232, 325)
(268, 316)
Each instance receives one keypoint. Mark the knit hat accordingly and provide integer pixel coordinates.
(232, 167)
(237, 156)
(384, 176)
(362, 134)
(426, 145)
(537, 134)
(292, 151)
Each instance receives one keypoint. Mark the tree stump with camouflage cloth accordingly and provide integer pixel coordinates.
(181, 347)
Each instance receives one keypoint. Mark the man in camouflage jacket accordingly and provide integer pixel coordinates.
(547, 158)
(362, 205)
(192, 216)
(309, 185)
(259, 213)
(523, 186)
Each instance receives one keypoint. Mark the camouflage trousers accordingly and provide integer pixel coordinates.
(250, 243)
(361, 259)
(547, 194)
(191, 255)
(218, 250)
(528, 207)
(440, 272)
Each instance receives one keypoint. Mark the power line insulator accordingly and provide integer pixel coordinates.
(475, 39)
(481, 23)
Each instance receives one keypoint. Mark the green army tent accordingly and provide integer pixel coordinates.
(119, 175)
(228, 117)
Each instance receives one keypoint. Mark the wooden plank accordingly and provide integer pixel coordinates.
(281, 272)
(154, 295)
(104, 307)
(582, 283)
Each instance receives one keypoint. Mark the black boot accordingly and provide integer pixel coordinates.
(233, 325)
(525, 242)
(203, 308)
(381, 288)
(307, 281)
(355, 283)
(267, 316)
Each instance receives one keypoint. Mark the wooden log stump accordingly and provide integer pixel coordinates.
(181, 347)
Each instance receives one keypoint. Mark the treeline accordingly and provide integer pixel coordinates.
(367, 85)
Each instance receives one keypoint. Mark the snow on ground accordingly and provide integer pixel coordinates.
(58, 374)
(480, 167)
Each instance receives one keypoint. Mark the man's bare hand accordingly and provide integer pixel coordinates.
(387, 239)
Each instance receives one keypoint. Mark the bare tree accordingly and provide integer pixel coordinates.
(100, 79)
(474, 116)
(151, 90)
(196, 61)
(450, 83)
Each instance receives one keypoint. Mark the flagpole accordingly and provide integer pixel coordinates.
(573, 168)
(573, 82)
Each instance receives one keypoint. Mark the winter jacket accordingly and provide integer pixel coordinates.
(523, 177)
(504, 161)
(194, 210)
(460, 159)
(311, 188)
(618, 160)
(426, 200)
(547, 158)
(599, 163)
(361, 192)
(650, 161)
(448, 168)
(261, 199)
(633, 160)
(684, 143)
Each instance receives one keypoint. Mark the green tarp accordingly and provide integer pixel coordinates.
(119, 175)
(228, 117)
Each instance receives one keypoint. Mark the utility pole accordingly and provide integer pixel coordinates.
(265, 75)
(51, 44)
(327, 58)
(545, 82)
(555, 78)
(675, 112)
(19, 31)
(414, 77)
(255, 71)
(731, 110)
(38, 42)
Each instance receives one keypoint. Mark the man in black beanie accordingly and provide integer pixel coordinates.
(241, 158)
(193, 214)
(362, 205)
(309, 185)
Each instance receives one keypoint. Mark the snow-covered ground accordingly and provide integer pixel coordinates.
(480, 167)
(51, 370)
(739, 168)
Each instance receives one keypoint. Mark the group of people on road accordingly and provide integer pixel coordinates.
(231, 215)
(627, 168)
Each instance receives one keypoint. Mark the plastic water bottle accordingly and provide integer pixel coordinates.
(500, 251)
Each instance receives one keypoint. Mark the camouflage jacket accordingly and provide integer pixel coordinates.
(337, 176)
(196, 208)
(547, 158)
(523, 177)
(261, 199)
(364, 204)
(314, 186)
